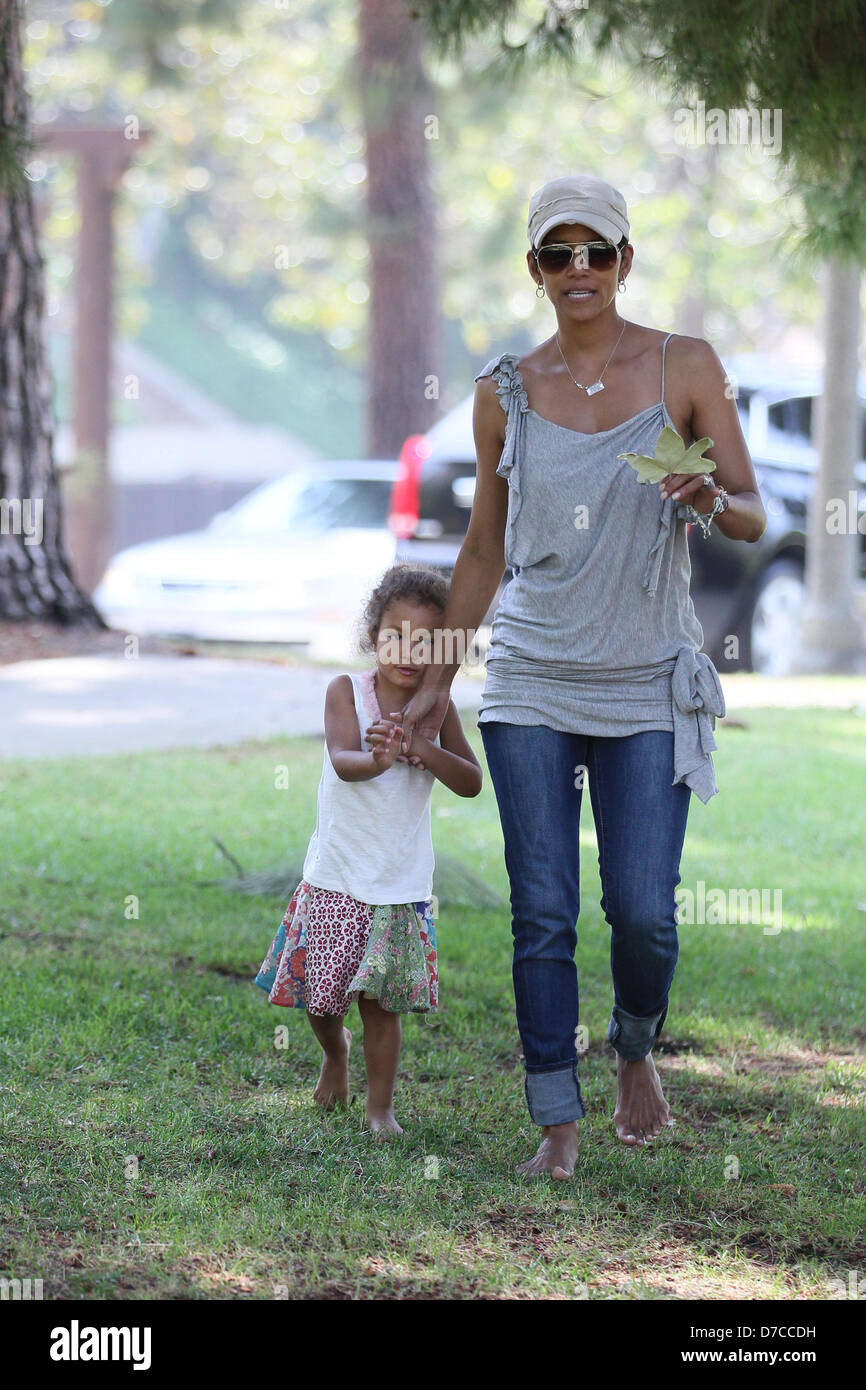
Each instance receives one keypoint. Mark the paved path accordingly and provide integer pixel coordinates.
(104, 704)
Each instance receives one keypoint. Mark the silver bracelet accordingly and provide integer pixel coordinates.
(720, 504)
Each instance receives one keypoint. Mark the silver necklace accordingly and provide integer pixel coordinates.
(596, 385)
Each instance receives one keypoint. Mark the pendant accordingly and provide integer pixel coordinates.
(596, 387)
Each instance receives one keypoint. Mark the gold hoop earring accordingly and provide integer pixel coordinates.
(539, 292)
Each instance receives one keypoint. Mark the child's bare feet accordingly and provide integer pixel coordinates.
(557, 1153)
(381, 1053)
(332, 1087)
(382, 1122)
(641, 1110)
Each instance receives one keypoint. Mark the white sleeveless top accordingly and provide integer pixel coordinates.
(373, 838)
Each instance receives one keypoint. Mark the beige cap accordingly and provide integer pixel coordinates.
(578, 198)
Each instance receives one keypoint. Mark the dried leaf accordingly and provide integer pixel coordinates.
(671, 456)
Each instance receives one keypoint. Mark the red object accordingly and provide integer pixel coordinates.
(406, 492)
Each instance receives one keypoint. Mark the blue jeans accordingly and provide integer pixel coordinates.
(640, 821)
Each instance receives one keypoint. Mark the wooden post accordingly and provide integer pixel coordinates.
(102, 156)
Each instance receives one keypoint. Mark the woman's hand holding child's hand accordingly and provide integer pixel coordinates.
(406, 757)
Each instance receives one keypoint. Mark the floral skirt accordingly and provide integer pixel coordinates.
(330, 948)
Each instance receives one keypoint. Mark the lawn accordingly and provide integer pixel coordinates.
(156, 1142)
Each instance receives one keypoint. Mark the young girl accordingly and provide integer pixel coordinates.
(359, 925)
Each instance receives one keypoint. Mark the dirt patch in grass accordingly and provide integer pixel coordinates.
(242, 974)
(795, 1062)
(32, 640)
(672, 1274)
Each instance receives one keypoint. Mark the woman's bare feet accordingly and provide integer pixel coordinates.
(332, 1087)
(641, 1110)
(382, 1122)
(557, 1153)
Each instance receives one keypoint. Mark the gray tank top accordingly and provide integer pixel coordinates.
(596, 633)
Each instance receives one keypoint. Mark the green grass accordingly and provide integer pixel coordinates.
(144, 1042)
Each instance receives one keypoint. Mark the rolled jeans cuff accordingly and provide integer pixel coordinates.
(553, 1097)
(632, 1037)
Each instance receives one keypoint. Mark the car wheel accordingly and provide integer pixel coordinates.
(774, 625)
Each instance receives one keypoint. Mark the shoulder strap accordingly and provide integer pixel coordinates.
(365, 697)
(354, 679)
(492, 366)
(664, 350)
(509, 382)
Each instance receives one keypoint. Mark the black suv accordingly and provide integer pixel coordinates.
(754, 592)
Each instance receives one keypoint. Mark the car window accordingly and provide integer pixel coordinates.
(793, 416)
(319, 504)
(343, 502)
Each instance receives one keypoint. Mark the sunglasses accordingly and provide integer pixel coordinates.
(591, 255)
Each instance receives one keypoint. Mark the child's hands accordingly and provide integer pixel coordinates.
(384, 739)
(397, 717)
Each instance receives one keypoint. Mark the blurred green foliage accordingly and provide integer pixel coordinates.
(242, 256)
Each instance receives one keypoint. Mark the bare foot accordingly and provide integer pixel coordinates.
(641, 1110)
(556, 1155)
(332, 1087)
(382, 1121)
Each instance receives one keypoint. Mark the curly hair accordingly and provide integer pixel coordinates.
(414, 582)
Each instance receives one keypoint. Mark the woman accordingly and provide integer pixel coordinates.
(594, 669)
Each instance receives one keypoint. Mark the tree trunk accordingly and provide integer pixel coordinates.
(404, 332)
(832, 637)
(35, 580)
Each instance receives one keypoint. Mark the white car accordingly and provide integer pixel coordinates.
(290, 563)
